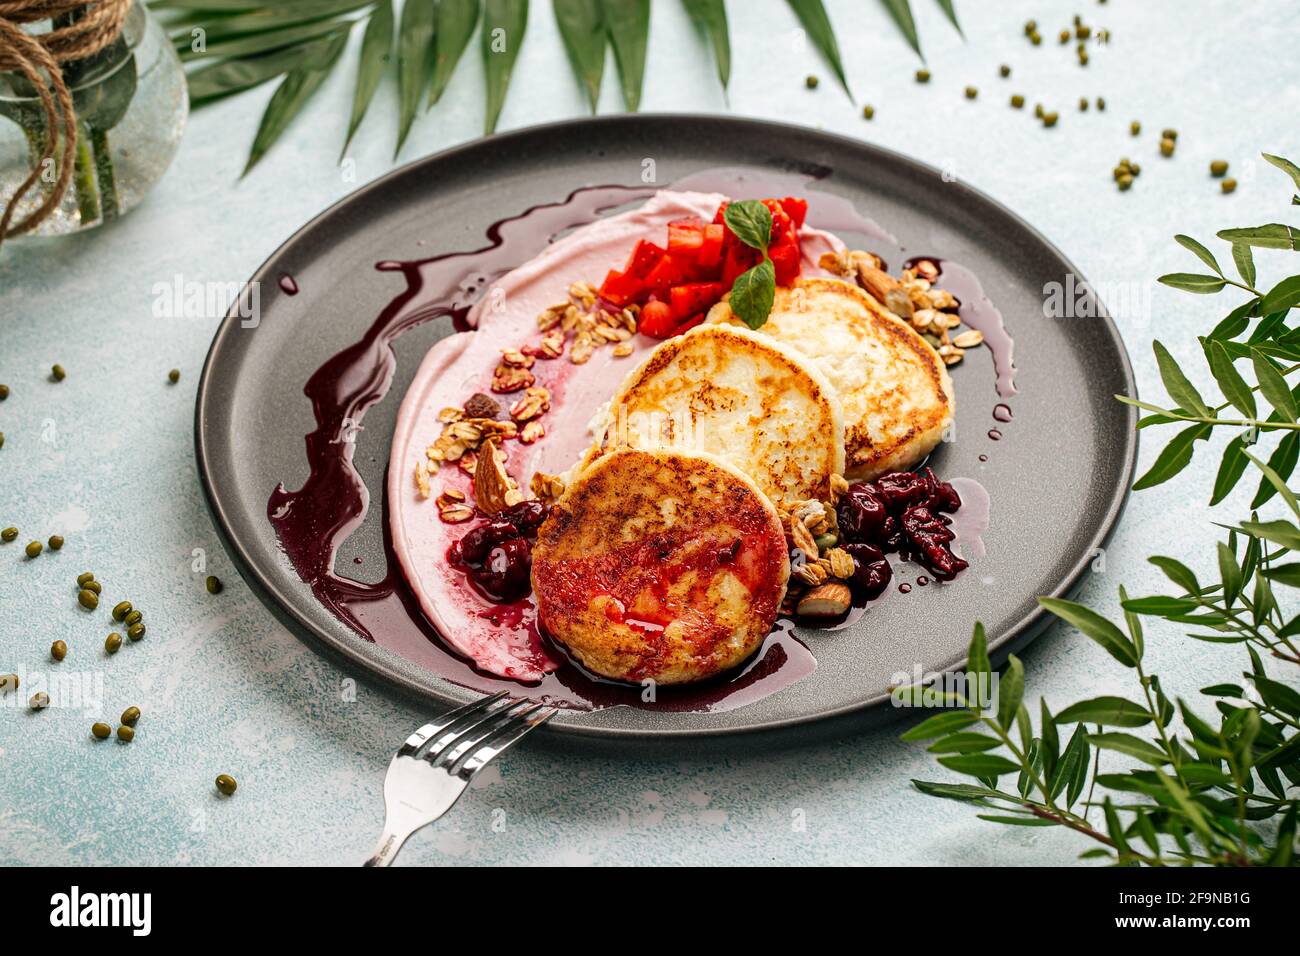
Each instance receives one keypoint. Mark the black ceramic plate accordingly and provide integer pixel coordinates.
(1057, 477)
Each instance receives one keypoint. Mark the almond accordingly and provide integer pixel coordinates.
(826, 600)
(492, 485)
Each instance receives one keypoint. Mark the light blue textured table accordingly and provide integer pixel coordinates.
(106, 459)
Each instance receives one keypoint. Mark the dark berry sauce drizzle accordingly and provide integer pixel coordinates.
(312, 522)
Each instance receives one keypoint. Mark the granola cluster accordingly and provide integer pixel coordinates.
(913, 297)
(812, 537)
(467, 433)
(584, 325)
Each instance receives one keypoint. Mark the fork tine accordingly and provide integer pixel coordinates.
(470, 741)
(465, 724)
(504, 738)
(435, 727)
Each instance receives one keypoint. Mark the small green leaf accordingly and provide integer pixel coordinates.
(1192, 282)
(1011, 690)
(288, 100)
(1174, 457)
(504, 25)
(1073, 762)
(1176, 384)
(1288, 574)
(940, 724)
(1234, 387)
(1272, 236)
(1187, 242)
(964, 743)
(1130, 745)
(1114, 828)
(751, 222)
(1282, 297)
(1231, 468)
(1279, 467)
(376, 47)
(1288, 167)
(813, 16)
(1094, 626)
(582, 27)
(414, 53)
(628, 24)
(1279, 532)
(1273, 386)
(1177, 572)
(979, 765)
(1245, 261)
(1278, 695)
(453, 28)
(964, 792)
(710, 16)
(1160, 605)
(1229, 574)
(1017, 821)
(1133, 623)
(977, 654)
(1108, 711)
(753, 293)
(1051, 747)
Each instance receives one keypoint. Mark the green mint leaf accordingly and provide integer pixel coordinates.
(753, 293)
(751, 221)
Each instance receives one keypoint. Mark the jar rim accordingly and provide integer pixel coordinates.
(133, 31)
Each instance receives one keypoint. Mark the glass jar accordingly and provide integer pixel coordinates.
(131, 104)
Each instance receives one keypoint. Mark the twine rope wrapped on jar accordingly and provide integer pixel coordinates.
(40, 58)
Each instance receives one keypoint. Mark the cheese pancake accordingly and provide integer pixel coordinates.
(660, 566)
(896, 393)
(743, 397)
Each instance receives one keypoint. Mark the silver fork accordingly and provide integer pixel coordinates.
(435, 765)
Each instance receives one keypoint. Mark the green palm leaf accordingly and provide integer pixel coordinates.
(456, 22)
(628, 23)
(901, 11)
(376, 51)
(270, 18)
(235, 76)
(710, 16)
(252, 43)
(290, 97)
(951, 13)
(504, 24)
(582, 27)
(414, 56)
(813, 16)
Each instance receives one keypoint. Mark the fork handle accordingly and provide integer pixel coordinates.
(389, 845)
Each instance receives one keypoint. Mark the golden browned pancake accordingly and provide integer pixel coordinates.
(895, 392)
(660, 566)
(738, 395)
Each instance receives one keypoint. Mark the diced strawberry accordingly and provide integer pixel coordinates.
(720, 217)
(690, 323)
(782, 225)
(620, 288)
(694, 297)
(785, 260)
(796, 209)
(710, 254)
(656, 320)
(643, 258)
(667, 272)
(739, 258)
(685, 236)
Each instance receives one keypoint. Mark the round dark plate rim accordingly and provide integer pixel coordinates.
(278, 602)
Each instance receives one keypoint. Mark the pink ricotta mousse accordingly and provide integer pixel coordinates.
(504, 640)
